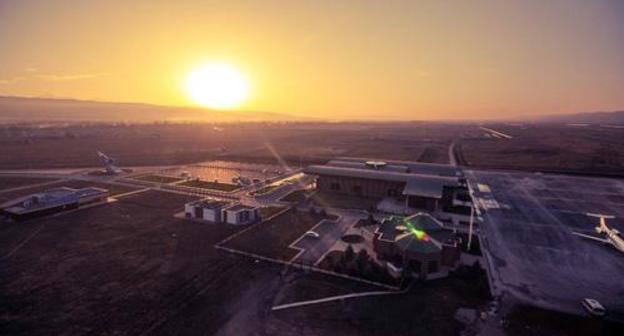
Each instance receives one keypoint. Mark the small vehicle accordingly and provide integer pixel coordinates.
(593, 307)
(312, 234)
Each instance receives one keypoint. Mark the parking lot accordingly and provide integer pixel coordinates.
(528, 241)
(313, 248)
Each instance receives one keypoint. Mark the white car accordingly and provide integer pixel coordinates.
(312, 234)
(593, 307)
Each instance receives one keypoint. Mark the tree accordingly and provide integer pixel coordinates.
(371, 219)
(362, 259)
(349, 254)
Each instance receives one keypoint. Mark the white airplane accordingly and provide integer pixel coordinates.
(109, 164)
(242, 181)
(612, 236)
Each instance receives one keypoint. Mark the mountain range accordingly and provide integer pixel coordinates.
(26, 109)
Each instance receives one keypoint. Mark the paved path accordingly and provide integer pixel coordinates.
(330, 232)
(334, 298)
(451, 154)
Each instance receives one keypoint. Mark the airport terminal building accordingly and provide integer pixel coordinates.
(416, 185)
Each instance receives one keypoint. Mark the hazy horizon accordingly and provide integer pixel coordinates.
(403, 60)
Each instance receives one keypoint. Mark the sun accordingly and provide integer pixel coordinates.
(217, 85)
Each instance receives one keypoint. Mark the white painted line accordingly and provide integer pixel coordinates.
(334, 298)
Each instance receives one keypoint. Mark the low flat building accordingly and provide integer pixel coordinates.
(239, 214)
(51, 201)
(420, 244)
(206, 209)
(221, 211)
(424, 186)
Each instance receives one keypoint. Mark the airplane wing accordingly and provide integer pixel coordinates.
(591, 237)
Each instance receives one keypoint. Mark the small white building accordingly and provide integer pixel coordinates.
(207, 209)
(239, 214)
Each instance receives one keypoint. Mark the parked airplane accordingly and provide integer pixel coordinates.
(612, 236)
(109, 164)
(242, 181)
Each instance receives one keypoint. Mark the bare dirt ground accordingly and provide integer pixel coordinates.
(276, 235)
(15, 182)
(75, 145)
(591, 149)
(131, 268)
(559, 148)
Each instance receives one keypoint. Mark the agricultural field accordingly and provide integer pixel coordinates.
(210, 185)
(157, 178)
(276, 235)
(9, 182)
(556, 148)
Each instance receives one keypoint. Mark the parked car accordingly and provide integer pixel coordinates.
(312, 234)
(593, 307)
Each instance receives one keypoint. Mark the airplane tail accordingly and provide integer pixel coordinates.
(602, 227)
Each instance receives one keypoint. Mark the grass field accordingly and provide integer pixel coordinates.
(272, 238)
(295, 196)
(269, 211)
(157, 178)
(96, 272)
(428, 308)
(267, 189)
(210, 185)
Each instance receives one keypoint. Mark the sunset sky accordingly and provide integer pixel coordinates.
(326, 59)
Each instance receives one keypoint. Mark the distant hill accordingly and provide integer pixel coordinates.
(22, 109)
(614, 117)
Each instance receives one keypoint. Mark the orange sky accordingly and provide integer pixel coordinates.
(326, 59)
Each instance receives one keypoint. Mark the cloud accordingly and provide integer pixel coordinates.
(8, 81)
(50, 77)
(70, 77)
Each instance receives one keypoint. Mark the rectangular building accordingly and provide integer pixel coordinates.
(239, 214)
(221, 211)
(51, 201)
(206, 209)
(430, 187)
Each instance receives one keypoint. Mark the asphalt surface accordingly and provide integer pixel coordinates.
(330, 232)
(527, 239)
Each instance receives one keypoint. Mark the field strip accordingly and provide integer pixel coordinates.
(251, 227)
(31, 186)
